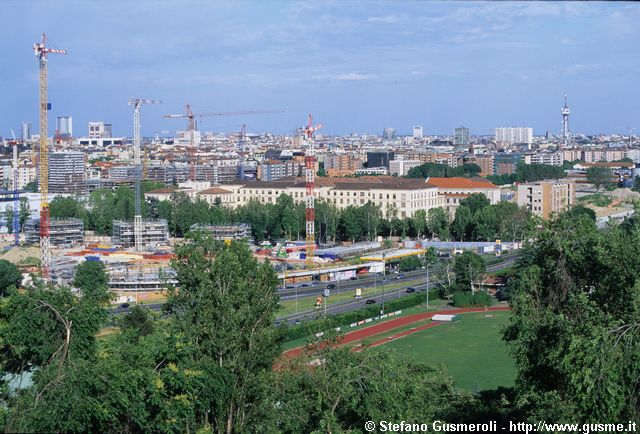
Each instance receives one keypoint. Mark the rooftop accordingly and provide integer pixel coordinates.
(460, 183)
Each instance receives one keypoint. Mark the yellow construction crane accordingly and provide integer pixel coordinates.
(41, 50)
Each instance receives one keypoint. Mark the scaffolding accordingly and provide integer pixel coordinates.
(64, 233)
(241, 231)
(153, 233)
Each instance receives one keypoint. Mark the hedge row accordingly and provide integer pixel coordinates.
(477, 299)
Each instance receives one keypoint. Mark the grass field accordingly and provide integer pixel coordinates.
(471, 349)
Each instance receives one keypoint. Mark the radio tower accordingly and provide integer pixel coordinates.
(565, 123)
(309, 160)
(137, 219)
(41, 50)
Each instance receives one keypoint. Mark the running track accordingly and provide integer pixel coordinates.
(386, 326)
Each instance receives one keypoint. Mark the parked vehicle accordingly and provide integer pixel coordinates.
(124, 305)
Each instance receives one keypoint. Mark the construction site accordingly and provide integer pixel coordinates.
(152, 233)
(62, 232)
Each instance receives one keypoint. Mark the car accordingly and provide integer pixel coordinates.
(125, 305)
(400, 276)
(410, 290)
(385, 280)
(370, 301)
(353, 278)
(331, 286)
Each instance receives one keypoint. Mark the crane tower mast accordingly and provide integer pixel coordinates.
(309, 160)
(41, 50)
(137, 219)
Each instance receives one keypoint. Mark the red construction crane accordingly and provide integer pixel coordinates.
(192, 127)
(41, 50)
(310, 215)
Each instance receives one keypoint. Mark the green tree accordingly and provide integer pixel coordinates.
(90, 277)
(475, 202)
(138, 322)
(410, 263)
(599, 176)
(287, 217)
(9, 276)
(225, 309)
(573, 332)
(468, 268)
(31, 187)
(66, 207)
(462, 225)
(438, 223)
(25, 212)
(8, 216)
(347, 389)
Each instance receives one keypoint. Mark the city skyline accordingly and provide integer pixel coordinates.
(358, 67)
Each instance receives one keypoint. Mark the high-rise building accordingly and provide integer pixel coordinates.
(514, 135)
(66, 172)
(461, 136)
(26, 131)
(98, 130)
(417, 132)
(64, 125)
(388, 134)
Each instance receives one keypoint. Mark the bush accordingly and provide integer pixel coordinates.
(477, 299)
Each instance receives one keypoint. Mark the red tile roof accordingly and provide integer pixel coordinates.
(459, 183)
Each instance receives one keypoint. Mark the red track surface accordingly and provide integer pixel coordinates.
(386, 326)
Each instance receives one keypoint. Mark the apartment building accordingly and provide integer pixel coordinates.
(486, 164)
(506, 136)
(341, 164)
(26, 174)
(550, 158)
(543, 198)
(272, 170)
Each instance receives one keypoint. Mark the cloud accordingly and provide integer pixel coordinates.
(354, 76)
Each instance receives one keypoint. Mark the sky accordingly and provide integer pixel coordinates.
(357, 66)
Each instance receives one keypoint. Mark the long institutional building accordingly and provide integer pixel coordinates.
(391, 194)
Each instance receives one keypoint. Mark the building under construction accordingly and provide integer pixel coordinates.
(125, 279)
(62, 232)
(154, 233)
(240, 231)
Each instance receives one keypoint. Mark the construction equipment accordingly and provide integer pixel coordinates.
(16, 200)
(309, 160)
(41, 50)
(137, 219)
(192, 128)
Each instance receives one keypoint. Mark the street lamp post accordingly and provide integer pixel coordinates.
(384, 274)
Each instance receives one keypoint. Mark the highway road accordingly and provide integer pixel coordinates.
(390, 295)
(415, 279)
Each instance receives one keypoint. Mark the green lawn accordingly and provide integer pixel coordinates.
(471, 349)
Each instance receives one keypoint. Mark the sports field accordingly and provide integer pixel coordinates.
(471, 349)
